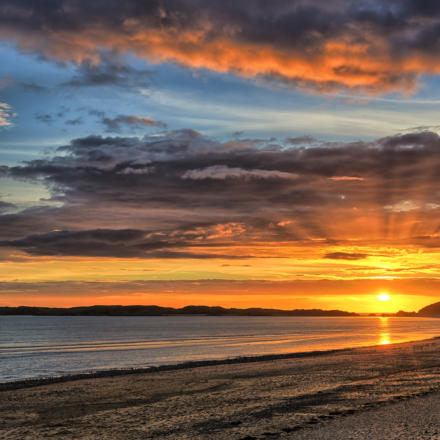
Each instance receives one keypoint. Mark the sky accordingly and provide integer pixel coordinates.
(281, 154)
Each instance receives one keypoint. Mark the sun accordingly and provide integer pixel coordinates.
(383, 297)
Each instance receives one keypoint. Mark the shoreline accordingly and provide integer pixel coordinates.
(296, 396)
(34, 382)
(115, 372)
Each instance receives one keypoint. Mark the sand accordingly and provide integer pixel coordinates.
(417, 418)
(383, 392)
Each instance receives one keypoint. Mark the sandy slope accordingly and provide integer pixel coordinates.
(306, 398)
(415, 419)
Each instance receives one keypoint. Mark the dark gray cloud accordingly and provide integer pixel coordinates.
(133, 122)
(180, 193)
(76, 121)
(32, 220)
(6, 206)
(95, 243)
(94, 112)
(301, 140)
(49, 118)
(109, 73)
(46, 118)
(127, 243)
(367, 45)
(32, 87)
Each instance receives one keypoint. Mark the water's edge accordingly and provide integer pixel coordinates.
(34, 382)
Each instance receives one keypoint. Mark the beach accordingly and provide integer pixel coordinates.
(372, 392)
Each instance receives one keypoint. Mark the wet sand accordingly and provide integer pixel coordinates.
(389, 392)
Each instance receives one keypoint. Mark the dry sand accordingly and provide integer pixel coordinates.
(383, 392)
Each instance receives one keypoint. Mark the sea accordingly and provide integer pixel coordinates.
(52, 346)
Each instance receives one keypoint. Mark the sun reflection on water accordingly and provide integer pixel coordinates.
(384, 331)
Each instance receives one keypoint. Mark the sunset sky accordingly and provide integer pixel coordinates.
(256, 153)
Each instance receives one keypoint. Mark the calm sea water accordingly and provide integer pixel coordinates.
(37, 346)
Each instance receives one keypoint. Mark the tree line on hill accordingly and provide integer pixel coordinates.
(139, 310)
(161, 311)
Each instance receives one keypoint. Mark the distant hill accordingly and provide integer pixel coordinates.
(160, 311)
(431, 310)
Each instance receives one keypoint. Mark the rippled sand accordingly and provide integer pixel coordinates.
(385, 392)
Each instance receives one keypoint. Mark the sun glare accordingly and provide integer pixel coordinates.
(383, 297)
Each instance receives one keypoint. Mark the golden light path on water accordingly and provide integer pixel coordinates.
(385, 337)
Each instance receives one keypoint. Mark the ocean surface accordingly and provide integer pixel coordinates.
(40, 346)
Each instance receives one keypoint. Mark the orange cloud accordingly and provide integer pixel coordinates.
(346, 178)
(337, 65)
(305, 44)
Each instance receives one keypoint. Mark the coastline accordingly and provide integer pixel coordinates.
(34, 382)
(114, 372)
(280, 397)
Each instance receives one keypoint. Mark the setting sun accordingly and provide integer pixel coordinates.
(383, 297)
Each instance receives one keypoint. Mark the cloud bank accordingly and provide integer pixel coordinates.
(365, 45)
(182, 195)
